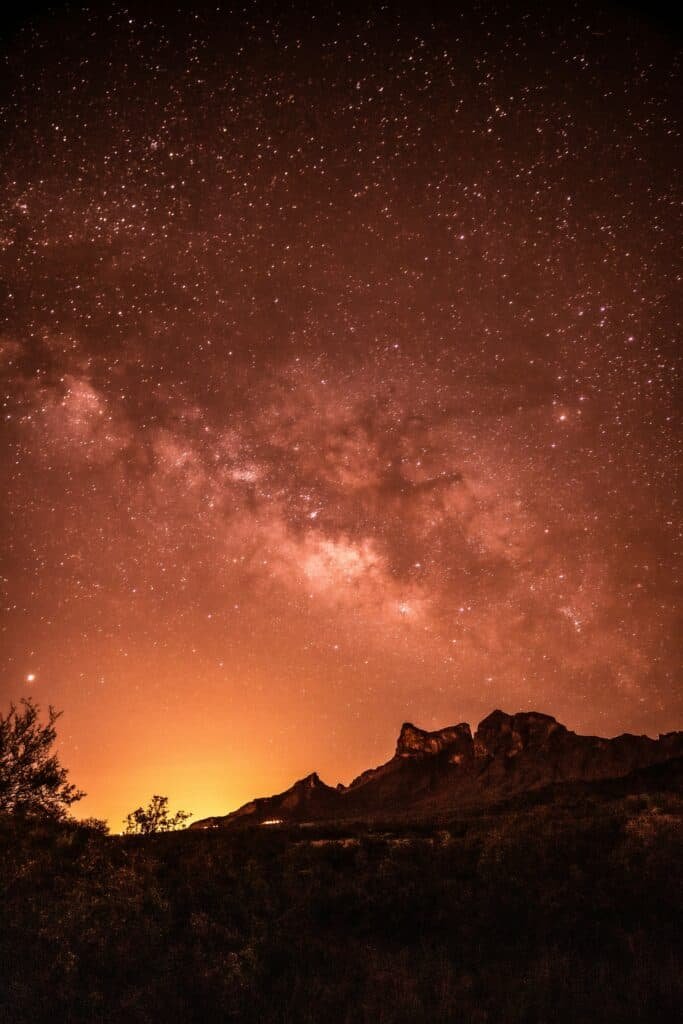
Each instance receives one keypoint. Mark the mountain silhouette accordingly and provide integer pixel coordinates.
(439, 772)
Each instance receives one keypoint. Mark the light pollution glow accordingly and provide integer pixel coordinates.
(338, 362)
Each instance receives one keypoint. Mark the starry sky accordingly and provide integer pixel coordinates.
(338, 358)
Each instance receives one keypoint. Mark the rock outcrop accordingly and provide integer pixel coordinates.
(414, 742)
(440, 771)
(309, 798)
(501, 735)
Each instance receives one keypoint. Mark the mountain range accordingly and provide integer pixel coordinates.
(440, 772)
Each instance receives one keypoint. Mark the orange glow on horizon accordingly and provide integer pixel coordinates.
(339, 388)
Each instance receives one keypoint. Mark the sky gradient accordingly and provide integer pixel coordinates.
(339, 361)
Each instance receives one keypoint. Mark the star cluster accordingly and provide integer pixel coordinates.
(338, 361)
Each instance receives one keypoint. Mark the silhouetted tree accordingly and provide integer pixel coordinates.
(32, 781)
(154, 818)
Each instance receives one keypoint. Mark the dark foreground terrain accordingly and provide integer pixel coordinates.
(562, 907)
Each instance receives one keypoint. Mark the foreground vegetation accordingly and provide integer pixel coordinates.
(565, 911)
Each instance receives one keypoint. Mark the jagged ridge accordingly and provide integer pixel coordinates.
(442, 770)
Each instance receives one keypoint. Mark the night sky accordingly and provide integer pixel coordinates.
(338, 357)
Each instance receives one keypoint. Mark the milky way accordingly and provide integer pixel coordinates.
(338, 359)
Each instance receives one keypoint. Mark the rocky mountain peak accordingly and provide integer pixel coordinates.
(311, 781)
(415, 742)
(500, 734)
